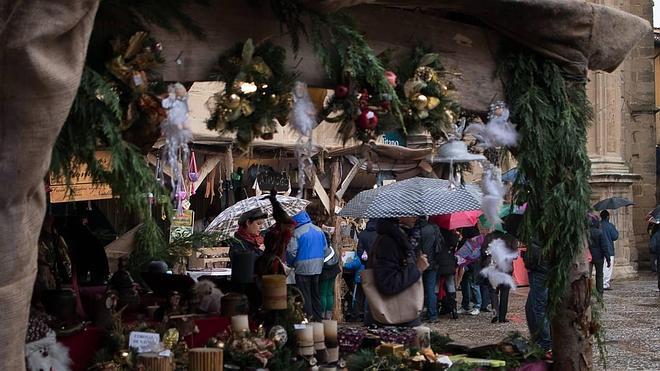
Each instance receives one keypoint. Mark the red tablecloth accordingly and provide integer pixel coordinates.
(208, 327)
(82, 346)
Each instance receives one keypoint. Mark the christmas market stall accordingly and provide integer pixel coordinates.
(165, 114)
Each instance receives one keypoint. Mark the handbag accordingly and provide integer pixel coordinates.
(403, 307)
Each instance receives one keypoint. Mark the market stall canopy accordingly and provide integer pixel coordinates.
(580, 34)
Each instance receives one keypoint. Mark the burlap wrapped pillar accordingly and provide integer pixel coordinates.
(42, 51)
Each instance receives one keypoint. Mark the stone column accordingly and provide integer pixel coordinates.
(611, 176)
(639, 128)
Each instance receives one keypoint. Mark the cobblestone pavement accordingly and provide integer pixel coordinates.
(631, 319)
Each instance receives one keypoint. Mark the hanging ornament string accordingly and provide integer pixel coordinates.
(193, 175)
(181, 195)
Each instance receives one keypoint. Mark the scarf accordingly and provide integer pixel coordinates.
(243, 234)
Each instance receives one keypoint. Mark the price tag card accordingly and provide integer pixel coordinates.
(143, 341)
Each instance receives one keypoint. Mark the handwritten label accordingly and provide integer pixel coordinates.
(82, 187)
(268, 180)
(143, 341)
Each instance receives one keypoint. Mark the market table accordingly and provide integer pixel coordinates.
(208, 327)
(218, 272)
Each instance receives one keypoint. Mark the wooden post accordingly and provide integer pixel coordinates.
(205, 359)
(154, 362)
(336, 238)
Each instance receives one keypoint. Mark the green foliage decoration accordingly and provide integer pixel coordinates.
(429, 100)
(552, 116)
(93, 123)
(150, 244)
(349, 61)
(257, 95)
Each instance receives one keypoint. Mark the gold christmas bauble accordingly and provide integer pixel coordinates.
(433, 102)
(443, 88)
(234, 101)
(420, 101)
(274, 99)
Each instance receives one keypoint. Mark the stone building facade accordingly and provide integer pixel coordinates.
(622, 142)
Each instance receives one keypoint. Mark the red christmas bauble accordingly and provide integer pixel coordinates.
(368, 120)
(341, 91)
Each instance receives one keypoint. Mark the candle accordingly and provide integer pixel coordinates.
(319, 336)
(330, 330)
(239, 323)
(423, 337)
(274, 296)
(332, 355)
(305, 335)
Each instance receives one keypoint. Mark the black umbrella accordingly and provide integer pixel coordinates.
(612, 203)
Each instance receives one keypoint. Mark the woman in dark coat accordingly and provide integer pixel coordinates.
(598, 247)
(395, 265)
(446, 262)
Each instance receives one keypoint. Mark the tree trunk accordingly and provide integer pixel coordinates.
(42, 51)
(572, 324)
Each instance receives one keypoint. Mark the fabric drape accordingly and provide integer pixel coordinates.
(42, 51)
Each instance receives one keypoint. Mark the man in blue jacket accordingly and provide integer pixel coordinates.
(305, 253)
(611, 235)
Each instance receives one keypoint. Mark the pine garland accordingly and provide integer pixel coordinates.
(552, 115)
(253, 112)
(93, 123)
(348, 59)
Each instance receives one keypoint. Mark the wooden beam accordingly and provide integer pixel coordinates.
(206, 168)
(318, 188)
(349, 179)
(335, 177)
(154, 161)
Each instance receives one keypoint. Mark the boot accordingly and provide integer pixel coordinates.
(445, 306)
(452, 304)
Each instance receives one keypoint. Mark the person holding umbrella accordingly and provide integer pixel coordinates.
(599, 251)
(611, 234)
(395, 264)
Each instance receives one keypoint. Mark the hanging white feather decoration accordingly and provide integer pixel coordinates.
(502, 256)
(303, 119)
(494, 191)
(498, 131)
(496, 278)
(177, 133)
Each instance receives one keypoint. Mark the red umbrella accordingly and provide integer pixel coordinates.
(457, 220)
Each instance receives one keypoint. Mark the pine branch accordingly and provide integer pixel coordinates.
(92, 124)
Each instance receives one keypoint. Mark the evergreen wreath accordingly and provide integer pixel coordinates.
(553, 115)
(365, 101)
(257, 95)
(427, 95)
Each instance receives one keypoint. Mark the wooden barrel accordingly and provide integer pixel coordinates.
(154, 362)
(233, 304)
(274, 292)
(205, 359)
